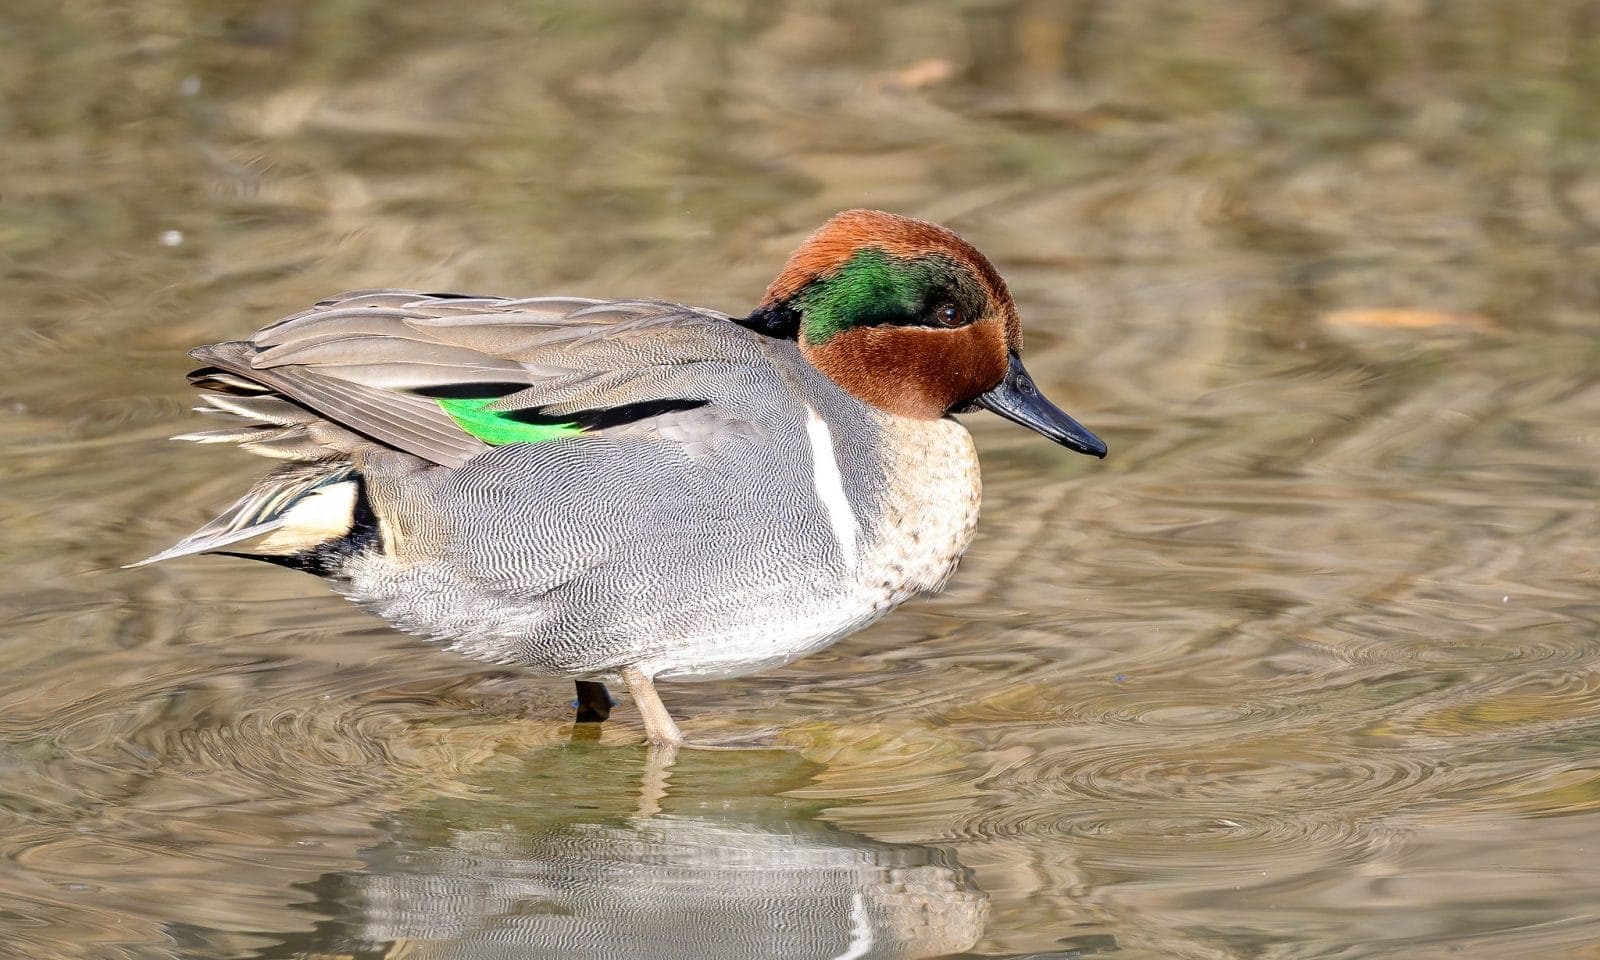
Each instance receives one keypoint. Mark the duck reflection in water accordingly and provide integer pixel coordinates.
(738, 872)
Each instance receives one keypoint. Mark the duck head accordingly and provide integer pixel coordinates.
(910, 318)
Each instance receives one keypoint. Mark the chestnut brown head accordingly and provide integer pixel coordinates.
(910, 318)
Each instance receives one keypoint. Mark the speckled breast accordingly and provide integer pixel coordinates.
(927, 513)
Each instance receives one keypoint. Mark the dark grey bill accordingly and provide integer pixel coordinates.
(1018, 400)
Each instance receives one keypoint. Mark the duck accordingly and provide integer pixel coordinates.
(633, 490)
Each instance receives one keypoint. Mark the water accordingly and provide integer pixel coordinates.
(1307, 668)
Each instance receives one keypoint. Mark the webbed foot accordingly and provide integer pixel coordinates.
(594, 702)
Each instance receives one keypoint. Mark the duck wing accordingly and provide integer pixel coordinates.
(445, 377)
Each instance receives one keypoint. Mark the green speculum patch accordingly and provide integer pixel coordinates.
(499, 429)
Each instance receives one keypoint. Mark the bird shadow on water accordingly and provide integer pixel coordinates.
(589, 850)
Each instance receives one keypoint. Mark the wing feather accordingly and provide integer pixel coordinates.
(372, 363)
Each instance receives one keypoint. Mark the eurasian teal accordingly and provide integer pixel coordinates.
(633, 488)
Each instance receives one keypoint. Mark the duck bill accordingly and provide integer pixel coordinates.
(1018, 400)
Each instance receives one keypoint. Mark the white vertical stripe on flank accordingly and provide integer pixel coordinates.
(830, 486)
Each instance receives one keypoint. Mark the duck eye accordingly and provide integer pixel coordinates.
(946, 315)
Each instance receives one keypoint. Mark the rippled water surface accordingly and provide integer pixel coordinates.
(1308, 668)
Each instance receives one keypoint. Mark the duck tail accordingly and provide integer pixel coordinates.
(312, 512)
(308, 516)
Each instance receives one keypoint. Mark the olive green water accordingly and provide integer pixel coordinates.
(1310, 667)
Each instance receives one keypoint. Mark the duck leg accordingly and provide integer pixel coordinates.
(658, 725)
(594, 701)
